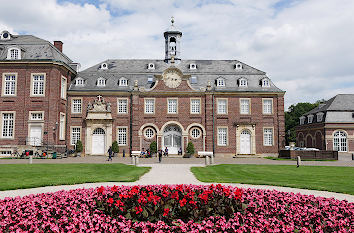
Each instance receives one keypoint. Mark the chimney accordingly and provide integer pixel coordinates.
(59, 45)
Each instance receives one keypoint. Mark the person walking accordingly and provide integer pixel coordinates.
(166, 151)
(160, 155)
(110, 154)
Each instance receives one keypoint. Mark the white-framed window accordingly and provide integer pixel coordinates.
(149, 133)
(238, 66)
(75, 135)
(319, 116)
(79, 82)
(222, 106)
(63, 88)
(9, 84)
(193, 80)
(192, 66)
(172, 106)
(268, 136)
(220, 82)
(222, 136)
(310, 119)
(38, 85)
(104, 66)
(267, 106)
(151, 66)
(195, 133)
(340, 141)
(123, 82)
(149, 106)
(150, 79)
(122, 136)
(265, 82)
(36, 116)
(76, 105)
(8, 125)
(62, 126)
(195, 106)
(243, 82)
(122, 106)
(14, 54)
(245, 106)
(302, 120)
(101, 82)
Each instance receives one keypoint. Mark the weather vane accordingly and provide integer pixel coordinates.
(172, 20)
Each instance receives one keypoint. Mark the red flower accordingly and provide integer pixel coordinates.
(114, 188)
(119, 203)
(100, 189)
(110, 201)
(138, 209)
(182, 202)
(165, 212)
(175, 195)
(238, 194)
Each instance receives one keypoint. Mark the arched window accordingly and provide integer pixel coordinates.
(195, 133)
(14, 54)
(220, 82)
(149, 133)
(238, 66)
(98, 131)
(101, 82)
(173, 46)
(242, 82)
(123, 82)
(79, 82)
(340, 141)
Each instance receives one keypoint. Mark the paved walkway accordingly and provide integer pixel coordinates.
(170, 174)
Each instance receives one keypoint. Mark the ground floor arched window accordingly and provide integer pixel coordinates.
(340, 141)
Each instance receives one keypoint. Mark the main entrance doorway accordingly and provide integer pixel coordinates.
(98, 142)
(172, 138)
(245, 142)
(35, 138)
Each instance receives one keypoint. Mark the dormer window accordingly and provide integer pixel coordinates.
(265, 82)
(150, 79)
(123, 82)
(309, 119)
(151, 66)
(101, 82)
(104, 66)
(320, 116)
(302, 120)
(238, 66)
(220, 82)
(5, 35)
(242, 82)
(192, 66)
(194, 80)
(79, 82)
(14, 54)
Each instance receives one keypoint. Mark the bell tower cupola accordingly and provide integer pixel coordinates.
(172, 43)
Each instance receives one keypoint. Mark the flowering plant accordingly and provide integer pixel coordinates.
(168, 203)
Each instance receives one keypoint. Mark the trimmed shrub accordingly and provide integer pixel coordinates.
(153, 147)
(115, 147)
(79, 146)
(190, 148)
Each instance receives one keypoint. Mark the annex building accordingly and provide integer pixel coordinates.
(224, 106)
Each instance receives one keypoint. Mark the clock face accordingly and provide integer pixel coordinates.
(172, 79)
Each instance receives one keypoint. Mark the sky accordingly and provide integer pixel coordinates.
(305, 46)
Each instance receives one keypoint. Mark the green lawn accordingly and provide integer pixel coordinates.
(286, 159)
(18, 176)
(334, 179)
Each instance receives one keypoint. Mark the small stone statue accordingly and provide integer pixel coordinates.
(89, 106)
(108, 107)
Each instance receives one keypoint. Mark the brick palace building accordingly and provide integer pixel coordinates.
(224, 106)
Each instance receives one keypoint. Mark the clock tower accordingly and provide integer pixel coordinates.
(172, 43)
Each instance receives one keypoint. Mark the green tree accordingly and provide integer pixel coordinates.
(190, 148)
(115, 147)
(153, 147)
(79, 146)
(292, 116)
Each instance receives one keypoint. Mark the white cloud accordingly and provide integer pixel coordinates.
(306, 47)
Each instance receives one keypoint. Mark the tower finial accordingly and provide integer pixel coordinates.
(172, 20)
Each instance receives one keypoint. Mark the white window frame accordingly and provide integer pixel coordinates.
(192, 66)
(39, 84)
(243, 82)
(12, 84)
(195, 129)
(302, 120)
(218, 107)
(80, 82)
(238, 66)
(124, 135)
(172, 106)
(62, 126)
(340, 142)
(148, 136)
(242, 108)
(195, 106)
(121, 106)
(319, 116)
(310, 119)
(63, 87)
(268, 141)
(193, 78)
(267, 108)
(220, 82)
(265, 82)
(13, 124)
(73, 104)
(35, 113)
(149, 109)
(10, 55)
(75, 136)
(151, 66)
(220, 140)
(101, 82)
(123, 82)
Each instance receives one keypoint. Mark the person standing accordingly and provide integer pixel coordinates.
(166, 151)
(160, 155)
(110, 154)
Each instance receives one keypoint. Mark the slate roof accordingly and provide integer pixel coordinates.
(207, 70)
(33, 48)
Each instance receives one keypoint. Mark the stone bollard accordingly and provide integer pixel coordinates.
(298, 161)
(30, 159)
(207, 160)
(212, 159)
(136, 160)
(133, 159)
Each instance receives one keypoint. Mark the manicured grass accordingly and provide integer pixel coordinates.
(334, 179)
(18, 176)
(276, 158)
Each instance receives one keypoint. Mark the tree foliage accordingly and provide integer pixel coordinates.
(153, 147)
(115, 147)
(190, 148)
(79, 146)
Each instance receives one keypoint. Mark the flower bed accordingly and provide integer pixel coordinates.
(92, 210)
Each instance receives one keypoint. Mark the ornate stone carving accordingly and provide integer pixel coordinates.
(99, 105)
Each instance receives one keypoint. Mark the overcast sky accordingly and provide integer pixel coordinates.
(305, 46)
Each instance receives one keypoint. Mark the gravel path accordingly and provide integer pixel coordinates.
(170, 174)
